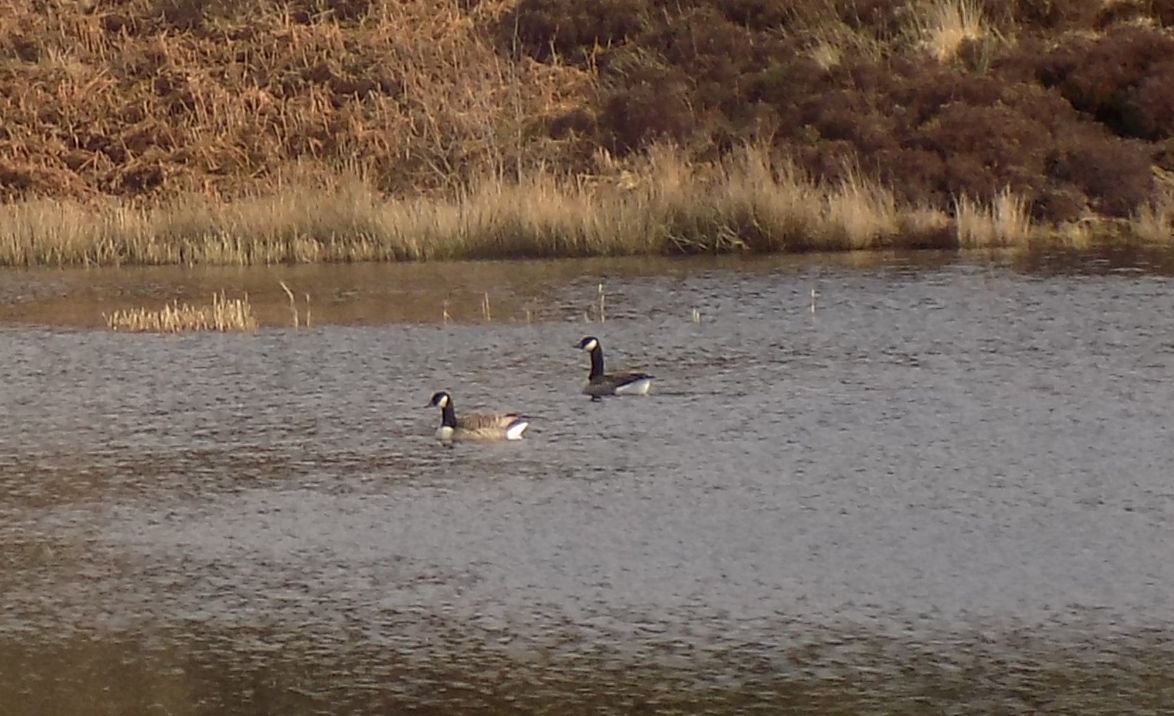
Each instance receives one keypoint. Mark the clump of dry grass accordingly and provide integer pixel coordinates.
(1154, 222)
(831, 41)
(1004, 222)
(863, 211)
(223, 314)
(948, 24)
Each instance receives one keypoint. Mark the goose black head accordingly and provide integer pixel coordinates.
(440, 399)
(589, 343)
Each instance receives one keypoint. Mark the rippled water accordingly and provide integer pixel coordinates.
(944, 491)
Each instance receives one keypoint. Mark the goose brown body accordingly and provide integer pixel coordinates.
(476, 426)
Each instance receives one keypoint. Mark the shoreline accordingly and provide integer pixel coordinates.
(498, 292)
(746, 203)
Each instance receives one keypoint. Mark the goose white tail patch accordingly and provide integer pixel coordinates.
(515, 429)
(636, 387)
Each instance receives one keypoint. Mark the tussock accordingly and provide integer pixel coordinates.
(1005, 222)
(223, 314)
(948, 24)
(1154, 222)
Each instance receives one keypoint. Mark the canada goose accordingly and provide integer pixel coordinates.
(487, 426)
(600, 383)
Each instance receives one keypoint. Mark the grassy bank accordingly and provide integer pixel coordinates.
(664, 205)
(206, 131)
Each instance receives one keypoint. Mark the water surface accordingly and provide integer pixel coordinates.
(943, 491)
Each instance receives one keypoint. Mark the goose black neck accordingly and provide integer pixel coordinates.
(448, 416)
(596, 362)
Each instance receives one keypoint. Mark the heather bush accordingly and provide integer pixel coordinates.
(883, 18)
(986, 149)
(1163, 11)
(1150, 112)
(569, 28)
(1115, 176)
(647, 101)
(1046, 15)
(1120, 78)
(756, 15)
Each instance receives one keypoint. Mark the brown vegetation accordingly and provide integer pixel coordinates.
(224, 314)
(664, 204)
(196, 130)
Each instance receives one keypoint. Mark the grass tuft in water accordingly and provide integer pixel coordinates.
(223, 314)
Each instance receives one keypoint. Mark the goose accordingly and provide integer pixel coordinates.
(475, 426)
(600, 383)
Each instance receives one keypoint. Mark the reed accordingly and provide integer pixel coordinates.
(1005, 222)
(751, 201)
(293, 304)
(223, 314)
(1154, 222)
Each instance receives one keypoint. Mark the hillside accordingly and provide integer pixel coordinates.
(1067, 105)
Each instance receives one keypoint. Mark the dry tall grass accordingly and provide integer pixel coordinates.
(947, 24)
(1006, 222)
(1154, 222)
(162, 97)
(224, 314)
(664, 205)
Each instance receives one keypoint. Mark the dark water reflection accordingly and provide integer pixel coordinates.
(945, 491)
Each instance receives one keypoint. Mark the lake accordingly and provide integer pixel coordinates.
(943, 490)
